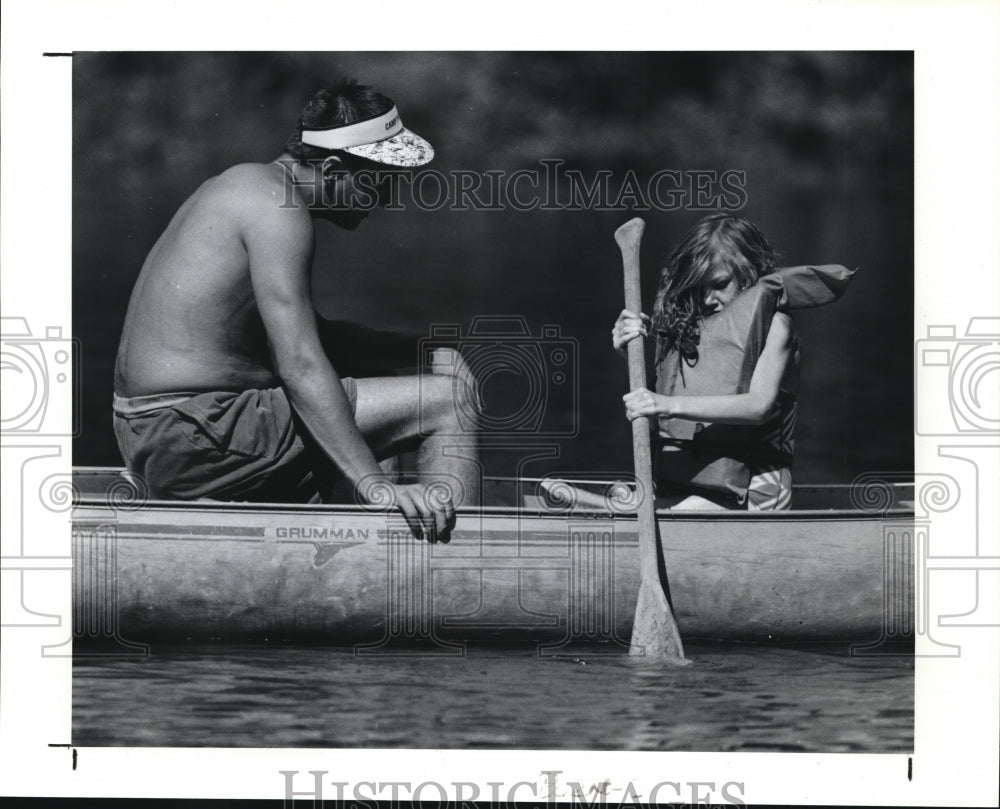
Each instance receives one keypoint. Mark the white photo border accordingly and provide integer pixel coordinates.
(957, 258)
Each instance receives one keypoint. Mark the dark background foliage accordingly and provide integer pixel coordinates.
(825, 139)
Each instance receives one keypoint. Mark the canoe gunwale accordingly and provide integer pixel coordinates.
(82, 503)
(122, 501)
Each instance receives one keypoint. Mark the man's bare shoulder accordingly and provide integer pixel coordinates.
(260, 191)
(252, 181)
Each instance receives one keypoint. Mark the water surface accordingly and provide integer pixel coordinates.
(731, 698)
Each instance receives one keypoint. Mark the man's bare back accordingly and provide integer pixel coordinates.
(222, 321)
(193, 323)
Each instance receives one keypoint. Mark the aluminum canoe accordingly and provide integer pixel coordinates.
(558, 575)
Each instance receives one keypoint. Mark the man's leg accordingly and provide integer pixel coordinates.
(432, 414)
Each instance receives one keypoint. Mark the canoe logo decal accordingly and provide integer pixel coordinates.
(309, 532)
(325, 551)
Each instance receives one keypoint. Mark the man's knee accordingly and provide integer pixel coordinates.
(451, 400)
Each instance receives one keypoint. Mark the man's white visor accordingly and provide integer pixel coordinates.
(382, 139)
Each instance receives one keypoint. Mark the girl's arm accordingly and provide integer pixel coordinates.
(753, 407)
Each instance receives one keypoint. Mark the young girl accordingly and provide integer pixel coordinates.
(727, 364)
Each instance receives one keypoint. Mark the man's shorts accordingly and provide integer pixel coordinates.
(245, 446)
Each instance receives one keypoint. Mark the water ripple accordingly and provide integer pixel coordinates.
(307, 697)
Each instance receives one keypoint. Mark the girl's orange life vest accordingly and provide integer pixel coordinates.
(717, 458)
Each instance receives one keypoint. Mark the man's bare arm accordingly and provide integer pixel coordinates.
(279, 246)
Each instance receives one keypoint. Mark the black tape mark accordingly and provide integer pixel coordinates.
(68, 747)
(56, 54)
(909, 768)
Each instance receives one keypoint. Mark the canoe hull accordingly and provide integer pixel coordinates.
(341, 575)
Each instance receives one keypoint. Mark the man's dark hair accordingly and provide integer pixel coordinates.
(338, 102)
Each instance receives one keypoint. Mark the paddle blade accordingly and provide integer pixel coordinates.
(654, 631)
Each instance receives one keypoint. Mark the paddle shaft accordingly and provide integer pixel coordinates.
(629, 237)
(654, 631)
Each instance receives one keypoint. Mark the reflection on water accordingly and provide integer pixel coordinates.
(732, 698)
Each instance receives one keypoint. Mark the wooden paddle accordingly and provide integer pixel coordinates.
(654, 631)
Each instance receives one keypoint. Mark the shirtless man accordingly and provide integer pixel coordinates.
(223, 388)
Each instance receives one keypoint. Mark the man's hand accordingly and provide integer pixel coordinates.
(428, 508)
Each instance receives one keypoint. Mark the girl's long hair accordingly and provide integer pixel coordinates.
(723, 239)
